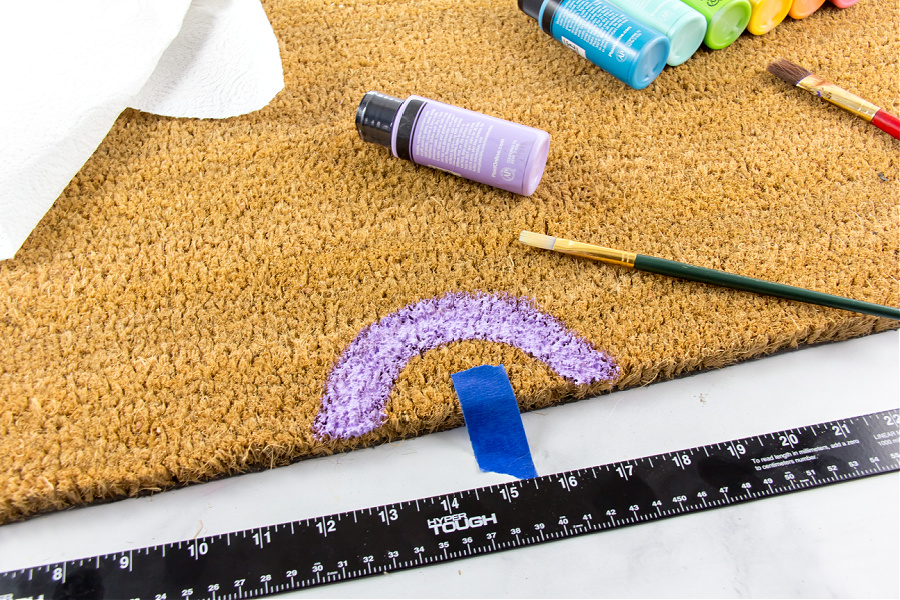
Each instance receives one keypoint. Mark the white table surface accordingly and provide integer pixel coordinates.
(841, 540)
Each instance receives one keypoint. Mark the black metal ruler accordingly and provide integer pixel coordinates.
(348, 545)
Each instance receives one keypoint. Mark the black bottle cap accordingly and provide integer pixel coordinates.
(375, 118)
(532, 8)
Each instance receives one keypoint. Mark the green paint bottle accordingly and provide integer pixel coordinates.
(726, 20)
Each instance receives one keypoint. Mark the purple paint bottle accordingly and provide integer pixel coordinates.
(485, 149)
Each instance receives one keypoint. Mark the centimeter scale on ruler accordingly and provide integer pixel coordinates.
(348, 545)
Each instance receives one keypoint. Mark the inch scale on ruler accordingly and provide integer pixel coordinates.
(259, 562)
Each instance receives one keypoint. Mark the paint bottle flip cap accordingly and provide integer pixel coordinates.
(800, 9)
(767, 14)
(728, 23)
(375, 118)
(727, 20)
(532, 8)
(686, 35)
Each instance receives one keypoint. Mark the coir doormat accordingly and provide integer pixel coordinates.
(210, 297)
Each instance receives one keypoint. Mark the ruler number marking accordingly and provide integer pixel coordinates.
(262, 538)
(569, 482)
(788, 439)
(388, 515)
(682, 460)
(324, 527)
(509, 493)
(737, 450)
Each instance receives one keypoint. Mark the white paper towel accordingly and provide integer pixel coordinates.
(68, 69)
(224, 62)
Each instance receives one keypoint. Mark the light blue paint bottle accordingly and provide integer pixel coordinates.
(684, 26)
(601, 32)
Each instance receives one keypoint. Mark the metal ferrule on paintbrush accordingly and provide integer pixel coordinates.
(609, 255)
(821, 87)
(836, 95)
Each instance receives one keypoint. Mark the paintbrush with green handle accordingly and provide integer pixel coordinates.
(672, 268)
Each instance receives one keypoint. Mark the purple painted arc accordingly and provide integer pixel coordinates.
(360, 384)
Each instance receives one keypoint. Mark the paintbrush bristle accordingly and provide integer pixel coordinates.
(787, 71)
(538, 240)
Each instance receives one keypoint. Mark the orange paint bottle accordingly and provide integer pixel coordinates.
(801, 9)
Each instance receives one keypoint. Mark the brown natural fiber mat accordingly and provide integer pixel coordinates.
(176, 314)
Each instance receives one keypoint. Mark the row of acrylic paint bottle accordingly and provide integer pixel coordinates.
(511, 156)
(635, 39)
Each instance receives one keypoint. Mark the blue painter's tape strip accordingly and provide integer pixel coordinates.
(494, 422)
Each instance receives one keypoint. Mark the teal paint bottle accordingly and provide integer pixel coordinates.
(684, 26)
(601, 32)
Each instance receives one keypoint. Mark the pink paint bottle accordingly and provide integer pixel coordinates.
(485, 149)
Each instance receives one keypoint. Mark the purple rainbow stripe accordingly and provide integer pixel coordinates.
(359, 385)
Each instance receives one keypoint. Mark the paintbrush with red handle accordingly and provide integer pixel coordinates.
(800, 77)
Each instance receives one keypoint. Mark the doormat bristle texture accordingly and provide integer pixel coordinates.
(190, 306)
